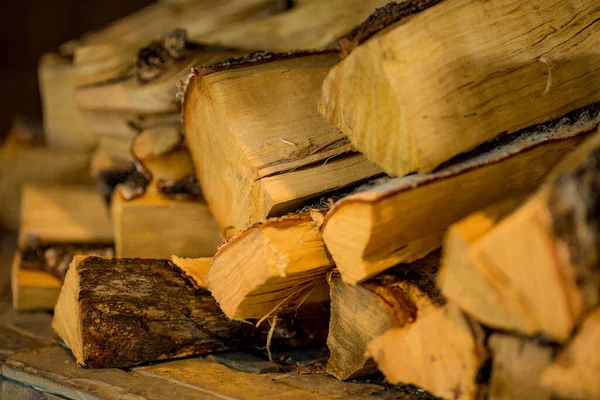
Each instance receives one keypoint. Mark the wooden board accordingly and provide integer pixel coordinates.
(259, 146)
(439, 82)
(404, 219)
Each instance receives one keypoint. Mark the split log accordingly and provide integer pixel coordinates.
(517, 365)
(260, 147)
(112, 53)
(123, 312)
(574, 373)
(360, 313)
(536, 270)
(277, 265)
(464, 77)
(195, 268)
(65, 126)
(57, 223)
(404, 219)
(23, 160)
(442, 352)
(307, 25)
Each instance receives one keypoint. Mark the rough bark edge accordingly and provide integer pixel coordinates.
(380, 19)
(572, 124)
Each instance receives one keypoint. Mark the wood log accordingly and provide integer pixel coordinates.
(112, 53)
(23, 160)
(574, 372)
(64, 124)
(360, 313)
(517, 365)
(534, 271)
(195, 268)
(442, 352)
(307, 25)
(259, 146)
(464, 76)
(277, 265)
(57, 222)
(404, 219)
(123, 312)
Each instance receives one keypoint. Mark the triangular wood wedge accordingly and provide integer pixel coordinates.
(362, 312)
(120, 312)
(403, 219)
(574, 372)
(535, 270)
(442, 352)
(431, 79)
(273, 266)
(259, 145)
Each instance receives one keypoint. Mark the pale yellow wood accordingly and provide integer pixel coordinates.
(259, 146)
(64, 214)
(197, 268)
(22, 163)
(460, 73)
(275, 265)
(441, 352)
(362, 312)
(404, 219)
(32, 289)
(64, 125)
(112, 53)
(517, 274)
(308, 25)
(115, 146)
(574, 372)
(517, 365)
(154, 227)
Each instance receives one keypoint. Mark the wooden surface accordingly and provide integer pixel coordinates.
(460, 68)
(404, 219)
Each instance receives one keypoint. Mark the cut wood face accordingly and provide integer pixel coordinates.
(442, 353)
(32, 289)
(255, 155)
(270, 267)
(524, 272)
(464, 77)
(403, 219)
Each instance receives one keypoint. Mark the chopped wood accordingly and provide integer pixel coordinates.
(240, 143)
(360, 313)
(442, 352)
(33, 289)
(534, 271)
(517, 365)
(404, 219)
(273, 266)
(195, 268)
(464, 77)
(122, 312)
(574, 372)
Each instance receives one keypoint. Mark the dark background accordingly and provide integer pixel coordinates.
(30, 28)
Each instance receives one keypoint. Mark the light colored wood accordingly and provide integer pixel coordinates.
(64, 125)
(272, 266)
(112, 52)
(33, 289)
(533, 271)
(196, 268)
(259, 146)
(362, 312)
(404, 219)
(308, 25)
(116, 147)
(61, 213)
(441, 352)
(154, 97)
(154, 227)
(460, 73)
(574, 372)
(517, 365)
(23, 162)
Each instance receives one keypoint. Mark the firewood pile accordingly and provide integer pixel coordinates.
(415, 185)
